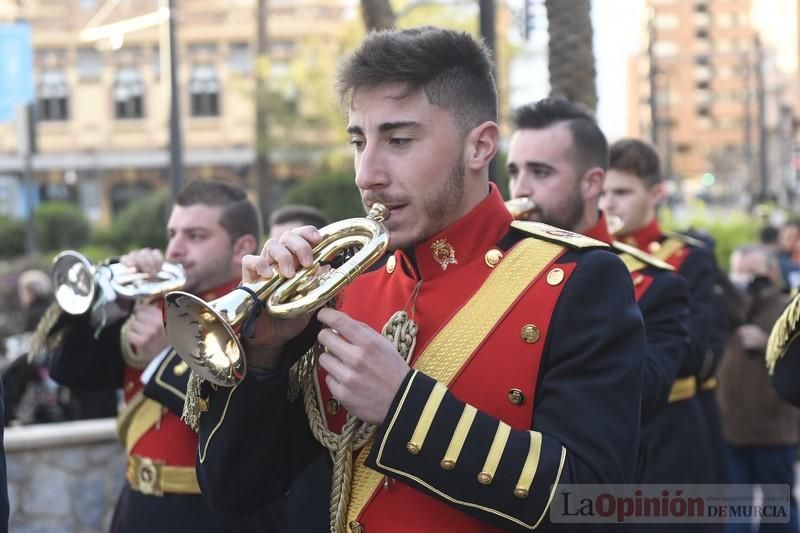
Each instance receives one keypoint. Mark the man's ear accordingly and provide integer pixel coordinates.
(244, 245)
(592, 182)
(481, 147)
(658, 192)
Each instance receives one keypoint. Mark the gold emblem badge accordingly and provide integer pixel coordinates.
(443, 253)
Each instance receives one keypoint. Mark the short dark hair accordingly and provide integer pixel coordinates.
(638, 158)
(306, 214)
(238, 214)
(588, 141)
(451, 67)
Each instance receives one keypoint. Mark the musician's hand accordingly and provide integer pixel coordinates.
(145, 260)
(146, 332)
(280, 257)
(364, 368)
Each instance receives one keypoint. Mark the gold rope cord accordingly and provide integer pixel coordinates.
(355, 433)
(41, 339)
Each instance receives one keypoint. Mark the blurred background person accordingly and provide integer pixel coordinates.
(788, 239)
(760, 429)
(292, 216)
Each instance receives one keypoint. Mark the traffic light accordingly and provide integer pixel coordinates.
(709, 179)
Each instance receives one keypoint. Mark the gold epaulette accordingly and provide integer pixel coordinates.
(685, 239)
(635, 259)
(783, 333)
(557, 235)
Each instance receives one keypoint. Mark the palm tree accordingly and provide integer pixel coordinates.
(377, 14)
(571, 59)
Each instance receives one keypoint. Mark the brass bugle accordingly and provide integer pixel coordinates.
(77, 283)
(206, 334)
(520, 207)
(614, 223)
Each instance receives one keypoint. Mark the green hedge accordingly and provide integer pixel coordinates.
(12, 237)
(334, 193)
(142, 224)
(59, 226)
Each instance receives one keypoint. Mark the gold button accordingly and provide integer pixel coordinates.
(129, 385)
(202, 405)
(519, 492)
(484, 478)
(180, 369)
(391, 264)
(515, 396)
(493, 257)
(654, 246)
(332, 406)
(637, 280)
(356, 527)
(555, 276)
(412, 448)
(530, 333)
(447, 464)
(631, 241)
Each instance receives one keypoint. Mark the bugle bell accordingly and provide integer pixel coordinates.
(206, 334)
(78, 283)
(520, 207)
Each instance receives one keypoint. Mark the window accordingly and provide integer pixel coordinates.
(665, 48)
(202, 50)
(667, 21)
(90, 64)
(204, 87)
(239, 59)
(701, 34)
(128, 94)
(52, 96)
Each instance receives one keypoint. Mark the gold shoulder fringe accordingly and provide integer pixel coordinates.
(557, 235)
(783, 333)
(641, 256)
(194, 405)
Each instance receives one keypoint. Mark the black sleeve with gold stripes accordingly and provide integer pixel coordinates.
(586, 413)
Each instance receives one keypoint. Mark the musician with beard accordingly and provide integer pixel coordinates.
(211, 227)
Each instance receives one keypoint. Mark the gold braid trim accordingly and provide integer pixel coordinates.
(41, 340)
(194, 405)
(130, 357)
(125, 416)
(783, 333)
(355, 433)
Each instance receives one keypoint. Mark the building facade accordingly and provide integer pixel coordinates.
(715, 88)
(102, 94)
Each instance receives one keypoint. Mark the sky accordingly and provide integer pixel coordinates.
(617, 33)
